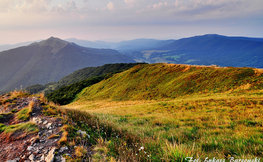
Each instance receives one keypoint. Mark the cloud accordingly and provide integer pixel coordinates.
(24, 6)
(176, 3)
(110, 6)
(69, 7)
(129, 1)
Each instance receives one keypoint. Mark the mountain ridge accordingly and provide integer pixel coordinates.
(50, 60)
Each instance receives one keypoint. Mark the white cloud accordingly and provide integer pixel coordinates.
(129, 1)
(110, 6)
(21, 6)
(176, 3)
(156, 6)
(69, 7)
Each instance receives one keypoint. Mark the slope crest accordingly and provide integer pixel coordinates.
(160, 81)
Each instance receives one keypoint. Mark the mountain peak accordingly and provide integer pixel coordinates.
(55, 43)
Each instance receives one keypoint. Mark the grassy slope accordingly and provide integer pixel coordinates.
(79, 75)
(183, 114)
(159, 81)
(67, 94)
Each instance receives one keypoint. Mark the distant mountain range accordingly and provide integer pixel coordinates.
(49, 61)
(9, 46)
(206, 50)
(124, 46)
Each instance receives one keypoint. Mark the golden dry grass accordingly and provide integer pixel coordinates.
(196, 125)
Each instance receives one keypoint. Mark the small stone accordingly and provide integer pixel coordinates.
(83, 133)
(46, 151)
(50, 131)
(41, 141)
(50, 156)
(45, 122)
(35, 120)
(62, 149)
(30, 148)
(31, 157)
(42, 158)
(49, 125)
(67, 155)
(63, 159)
(11, 161)
(23, 156)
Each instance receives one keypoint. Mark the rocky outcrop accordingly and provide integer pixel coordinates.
(41, 146)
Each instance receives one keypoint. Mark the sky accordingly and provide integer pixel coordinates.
(117, 20)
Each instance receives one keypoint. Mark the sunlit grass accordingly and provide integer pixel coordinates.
(205, 125)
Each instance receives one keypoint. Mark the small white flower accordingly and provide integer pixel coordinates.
(148, 155)
(144, 152)
(136, 154)
(142, 148)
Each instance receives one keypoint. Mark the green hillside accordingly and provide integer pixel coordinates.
(79, 75)
(160, 81)
(179, 111)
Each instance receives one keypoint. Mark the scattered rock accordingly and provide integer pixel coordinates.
(62, 149)
(42, 158)
(15, 160)
(30, 148)
(83, 133)
(31, 157)
(49, 125)
(50, 156)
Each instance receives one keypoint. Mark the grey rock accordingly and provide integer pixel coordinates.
(83, 133)
(31, 157)
(30, 148)
(49, 125)
(42, 158)
(15, 160)
(40, 133)
(67, 155)
(62, 149)
(50, 156)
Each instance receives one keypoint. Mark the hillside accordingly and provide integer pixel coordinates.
(208, 49)
(49, 61)
(80, 75)
(32, 129)
(179, 111)
(159, 81)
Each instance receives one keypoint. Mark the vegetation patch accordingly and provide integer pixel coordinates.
(28, 127)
